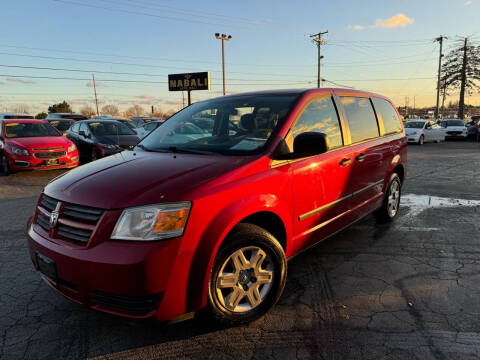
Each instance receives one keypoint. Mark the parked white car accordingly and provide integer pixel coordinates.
(454, 128)
(421, 131)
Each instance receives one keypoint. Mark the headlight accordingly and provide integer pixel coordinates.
(72, 148)
(19, 151)
(152, 222)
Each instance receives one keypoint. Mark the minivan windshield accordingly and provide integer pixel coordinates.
(231, 126)
(414, 124)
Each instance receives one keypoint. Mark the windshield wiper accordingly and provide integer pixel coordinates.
(176, 149)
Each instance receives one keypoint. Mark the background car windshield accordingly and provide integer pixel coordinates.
(20, 130)
(110, 128)
(455, 123)
(62, 125)
(238, 125)
(414, 124)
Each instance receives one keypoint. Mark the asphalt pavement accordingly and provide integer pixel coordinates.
(408, 290)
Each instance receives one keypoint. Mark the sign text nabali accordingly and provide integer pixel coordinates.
(189, 81)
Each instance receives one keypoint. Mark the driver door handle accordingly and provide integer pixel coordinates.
(345, 162)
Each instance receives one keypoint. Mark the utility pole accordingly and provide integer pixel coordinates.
(224, 38)
(413, 104)
(461, 103)
(317, 38)
(440, 40)
(95, 92)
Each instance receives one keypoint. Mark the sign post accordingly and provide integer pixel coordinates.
(188, 82)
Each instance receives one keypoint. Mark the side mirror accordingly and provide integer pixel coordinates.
(310, 143)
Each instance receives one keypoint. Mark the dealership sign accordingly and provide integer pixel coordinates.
(189, 81)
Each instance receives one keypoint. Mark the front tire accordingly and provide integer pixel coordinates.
(248, 275)
(5, 167)
(391, 201)
(421, 140)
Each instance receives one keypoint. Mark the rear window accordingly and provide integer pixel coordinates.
(62, 125)
(74, 117)
(360, 117)
(391, 122)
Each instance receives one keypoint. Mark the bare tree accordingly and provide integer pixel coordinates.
(135, 110)
(461, 70)
(87, 111)
(110, 110)
(21, 108)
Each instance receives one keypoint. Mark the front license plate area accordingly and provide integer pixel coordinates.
(52, 162)
(47, 267)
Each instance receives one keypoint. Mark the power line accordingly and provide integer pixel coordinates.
(140, 13)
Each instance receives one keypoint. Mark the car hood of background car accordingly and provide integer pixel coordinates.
(139, 178)
(39, 142)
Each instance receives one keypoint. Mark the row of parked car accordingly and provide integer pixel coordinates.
(62, 140)
(419, 131)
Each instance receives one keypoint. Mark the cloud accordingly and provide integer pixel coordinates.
(97, 84)
(19, 80)
(356, 27)
(399, 20)
(146, 97)
(468, 3)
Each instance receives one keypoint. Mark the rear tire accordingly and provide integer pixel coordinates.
(391, 201)
(248, 275)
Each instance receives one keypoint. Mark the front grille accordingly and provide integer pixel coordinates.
(43, 222)
(49, 149)
(48, 202)
(50, 155)
(75, 222)
(82, 212)
(454, 132)
(74, 233)
(130, 304)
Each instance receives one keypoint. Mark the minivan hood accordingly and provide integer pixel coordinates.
(139, 178)
(455, 128)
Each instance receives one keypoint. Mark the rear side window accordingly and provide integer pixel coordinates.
(391, 122)
(360, 117)
(320, 116)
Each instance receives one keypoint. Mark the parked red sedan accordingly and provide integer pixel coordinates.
(27, 144)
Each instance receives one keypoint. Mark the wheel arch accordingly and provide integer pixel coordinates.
(266, 211)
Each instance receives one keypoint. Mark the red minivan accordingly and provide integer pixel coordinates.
(208, 208)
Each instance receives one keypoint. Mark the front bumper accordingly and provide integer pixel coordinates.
(136, 280)
(29, 162)
(413, 138)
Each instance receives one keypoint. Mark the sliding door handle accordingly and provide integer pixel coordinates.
(345, 162)
(360, 157)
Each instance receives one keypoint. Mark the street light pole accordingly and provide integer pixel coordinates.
(223, 37)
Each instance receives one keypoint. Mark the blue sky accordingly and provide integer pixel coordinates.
(382, 46)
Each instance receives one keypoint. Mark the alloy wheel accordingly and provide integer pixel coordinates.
(245, 279)
(393, 198)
